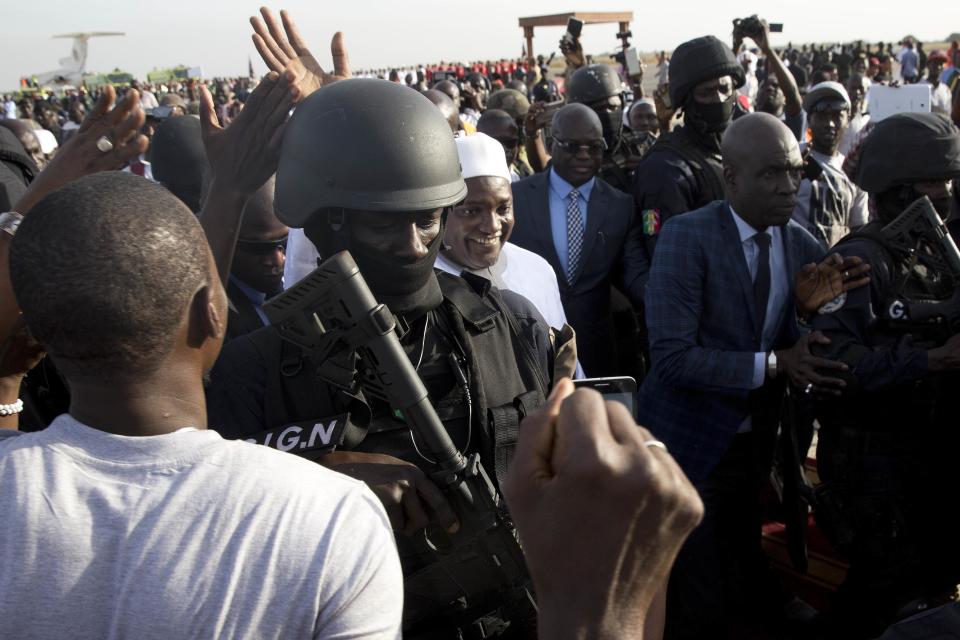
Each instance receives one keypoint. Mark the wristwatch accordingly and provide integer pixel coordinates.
(9, 221)
(771, 365)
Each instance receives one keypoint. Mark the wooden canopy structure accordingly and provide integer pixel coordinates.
(622, 18)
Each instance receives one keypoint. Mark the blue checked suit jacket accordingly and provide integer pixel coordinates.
(703, 333)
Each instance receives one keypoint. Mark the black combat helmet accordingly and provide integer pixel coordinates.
(593, 83)
(369, 145)
(511, 101)
(699, 60)
(908, 148)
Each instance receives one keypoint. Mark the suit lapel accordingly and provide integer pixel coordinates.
(542, 228)
(596, 210)
(733, 249)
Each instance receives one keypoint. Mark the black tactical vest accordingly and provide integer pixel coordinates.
(707, 168)
(493, 366)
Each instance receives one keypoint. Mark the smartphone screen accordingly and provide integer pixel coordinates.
(617, 389)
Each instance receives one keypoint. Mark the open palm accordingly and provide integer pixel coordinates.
(284, 50)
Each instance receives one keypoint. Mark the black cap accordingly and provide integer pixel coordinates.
(908, 148)
(177, 156)
(698, 60)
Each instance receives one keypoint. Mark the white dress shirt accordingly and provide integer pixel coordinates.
(522, 272)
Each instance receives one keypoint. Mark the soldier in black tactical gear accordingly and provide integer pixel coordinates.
(888, 445)
(485, 356)
(599, 87)
(683, 170)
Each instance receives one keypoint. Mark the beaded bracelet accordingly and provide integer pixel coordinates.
(11, 409)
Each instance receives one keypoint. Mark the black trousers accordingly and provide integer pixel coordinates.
(721, 585)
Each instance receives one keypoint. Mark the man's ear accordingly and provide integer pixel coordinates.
(208, 320)
(730, 178)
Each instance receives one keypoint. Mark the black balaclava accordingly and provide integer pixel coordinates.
(408, 290)
(893, 202)
(697, 61)
(707, 122)
(612, 123)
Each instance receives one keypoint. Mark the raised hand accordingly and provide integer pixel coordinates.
(818, 284)
(285, 50)
(243, 156)
(572, 51)
(106, 140)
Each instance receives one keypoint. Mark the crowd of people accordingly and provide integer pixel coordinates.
(209, 429)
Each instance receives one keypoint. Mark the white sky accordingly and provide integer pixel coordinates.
(215, 34)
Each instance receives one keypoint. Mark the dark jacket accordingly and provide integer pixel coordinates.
(613, 254)
(242, 316)
(701, 323)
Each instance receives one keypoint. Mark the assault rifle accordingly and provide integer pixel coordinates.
(332, 315)
(921, 240)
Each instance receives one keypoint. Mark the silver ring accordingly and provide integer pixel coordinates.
(655, 443)
(104, 144)
(846, 275)
(809, 388)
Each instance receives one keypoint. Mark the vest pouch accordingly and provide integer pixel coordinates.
(504, 424)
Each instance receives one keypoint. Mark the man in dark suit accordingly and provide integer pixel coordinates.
(586, 230)
(256, 272)
(724, 341)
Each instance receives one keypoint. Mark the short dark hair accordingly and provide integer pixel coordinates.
(103, 269)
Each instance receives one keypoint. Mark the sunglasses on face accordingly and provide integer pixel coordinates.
(594, 148)
(509, 143)
(262, 248)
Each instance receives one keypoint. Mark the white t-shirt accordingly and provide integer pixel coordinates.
(148, 100)
(941, 98)
(187, 535)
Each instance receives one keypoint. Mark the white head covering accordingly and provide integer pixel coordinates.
(481, 155)
(626, 112)
(46, 139)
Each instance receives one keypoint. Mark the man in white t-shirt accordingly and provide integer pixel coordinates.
(127, 518)
(941, 98)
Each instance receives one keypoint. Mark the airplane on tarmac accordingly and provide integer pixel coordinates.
(73, 67)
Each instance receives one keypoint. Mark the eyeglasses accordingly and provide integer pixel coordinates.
(594, 148)
(262, 248)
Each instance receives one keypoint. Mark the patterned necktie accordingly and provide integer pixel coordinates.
(761, 283)
(574, 235)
